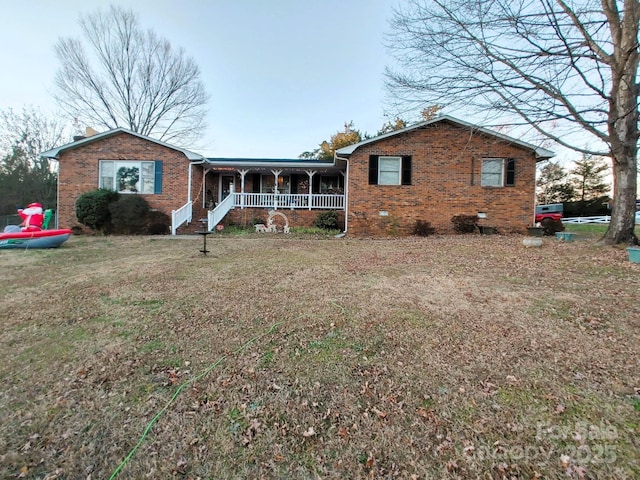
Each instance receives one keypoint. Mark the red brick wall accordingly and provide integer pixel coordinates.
(79, 169)
(446, 160)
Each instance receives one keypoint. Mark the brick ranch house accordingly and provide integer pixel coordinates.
(429, 172)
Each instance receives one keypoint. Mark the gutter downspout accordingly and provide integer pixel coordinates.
(201, 162)
(346, 191)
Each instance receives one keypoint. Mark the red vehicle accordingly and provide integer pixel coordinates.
(548, 213)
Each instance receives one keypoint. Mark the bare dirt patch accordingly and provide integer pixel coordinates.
(439, 357)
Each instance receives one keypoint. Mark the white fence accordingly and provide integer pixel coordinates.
(601, 219)
(578, 220)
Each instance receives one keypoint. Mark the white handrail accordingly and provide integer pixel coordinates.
(178, 217)
(215, 216)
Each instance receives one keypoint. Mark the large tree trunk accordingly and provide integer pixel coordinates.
(621, 227)
(623, 120)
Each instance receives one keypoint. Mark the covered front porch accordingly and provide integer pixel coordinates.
(271, 185)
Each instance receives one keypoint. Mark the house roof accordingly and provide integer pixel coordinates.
(541, 153)
(270, 162)
(55, 152)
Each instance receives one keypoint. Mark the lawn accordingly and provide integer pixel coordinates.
(275, 357)
(591, 230)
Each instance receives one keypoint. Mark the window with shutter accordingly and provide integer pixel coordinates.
(131, 176)
(387, 170)
(498, 172)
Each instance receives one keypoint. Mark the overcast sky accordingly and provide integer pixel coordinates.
(282, 74)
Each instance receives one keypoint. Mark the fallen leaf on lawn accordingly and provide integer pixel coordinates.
(423, 412)
(379, 413)
(309, 433)
(181, 467)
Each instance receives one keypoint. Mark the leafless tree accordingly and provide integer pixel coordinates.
(31, 131)
(128, 77)
(25, 176)
(564, 68)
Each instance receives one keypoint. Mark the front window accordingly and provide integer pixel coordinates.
(492, 172)
(498, 172)
(267, 184)
(389, 169)
(330, 184)
(126, 176)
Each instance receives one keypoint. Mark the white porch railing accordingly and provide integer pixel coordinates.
(215, 216)
(326, 201)
(289, 200)
(178, 217)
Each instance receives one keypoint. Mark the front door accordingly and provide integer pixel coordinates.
(226, 184)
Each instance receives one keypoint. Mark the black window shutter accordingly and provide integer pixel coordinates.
(157, 180)
(255, 183)
(315, 183)
(406, 170)
(511, 172)
(373, 169)
(473, 166)
(294, 183)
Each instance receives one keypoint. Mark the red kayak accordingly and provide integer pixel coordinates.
(39, 239)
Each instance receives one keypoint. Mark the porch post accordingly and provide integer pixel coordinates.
(276, 174)
(204, 187)
(311, 174)
(242, 174)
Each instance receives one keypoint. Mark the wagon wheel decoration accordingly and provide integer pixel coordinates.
(271, 226)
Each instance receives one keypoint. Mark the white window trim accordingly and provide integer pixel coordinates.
(399, 179)
(115, 171)
(285, 178)
(503, 164)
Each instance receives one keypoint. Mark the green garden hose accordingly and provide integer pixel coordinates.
(177, 392)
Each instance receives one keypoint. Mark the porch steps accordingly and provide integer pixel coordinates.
(198, 213)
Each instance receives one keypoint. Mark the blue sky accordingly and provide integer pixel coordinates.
(282, 74)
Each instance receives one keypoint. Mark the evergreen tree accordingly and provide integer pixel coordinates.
(588, 177)
(553, 184)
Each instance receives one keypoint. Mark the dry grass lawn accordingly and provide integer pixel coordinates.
(419, 358)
